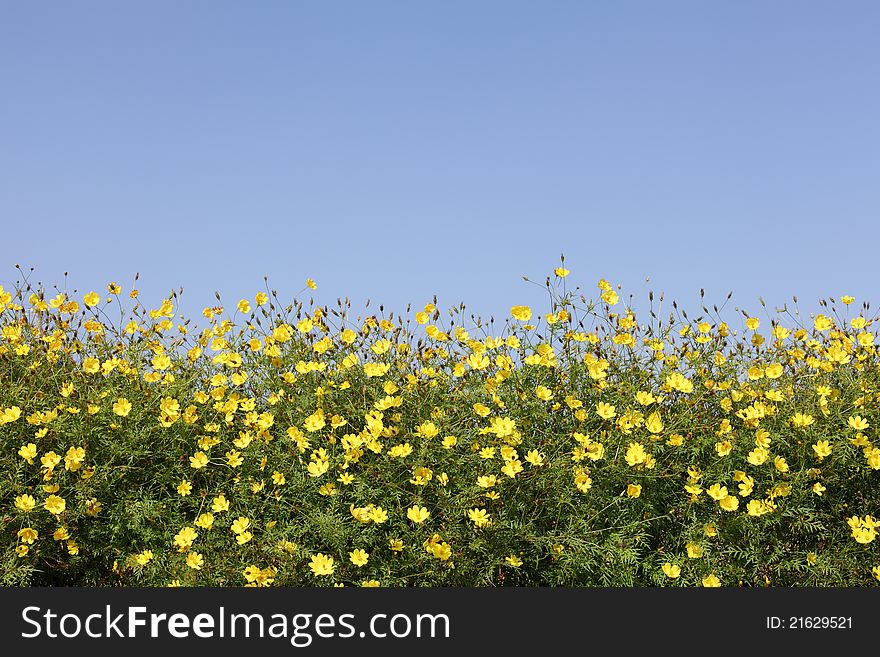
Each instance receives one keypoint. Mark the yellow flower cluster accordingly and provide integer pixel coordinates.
(297, 444)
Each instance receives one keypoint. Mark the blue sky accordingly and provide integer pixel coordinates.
(394, 150)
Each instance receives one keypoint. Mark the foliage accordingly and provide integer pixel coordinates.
(298, 445)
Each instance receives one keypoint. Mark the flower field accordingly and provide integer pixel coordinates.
(279, 442)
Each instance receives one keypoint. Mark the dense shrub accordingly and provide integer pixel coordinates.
(584, 447)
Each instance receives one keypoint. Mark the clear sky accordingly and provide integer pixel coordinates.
(394, 150)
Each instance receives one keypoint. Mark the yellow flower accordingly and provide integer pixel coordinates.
(717, 492)
(74, 458)
(122, 407)
(25, 503)
(143, 558)
(427, 430)
(677, 381)
(220, 504)
(822, 323)
(654, 423)
(693, 489)
(233, 458)
(185, 538)
(10, 415)
(535, 457)
(694, 551)
(441, 550)
(321, 564)
(513, 561)
(635, 454)
(633, 490)
(864, 534)
(512, 468)
(711, 581)
(198, 460)
(27, 535)
(205, 521)
(318, 468)
(773, 371)
(723, 448)
(28, 452)
(315, 422)
(240, 524)
(195, 560)
(605, 411)
(672, 571)
(55, 504)
(758, 456)
(50, 460)
(863, 529)
(480, 517)
(377, 514)
(610, 297)
(521, 313)
(418, 514)
(400, 451)
(92, 299)
(486, 481)
(746, 483)
(822, 448)
(184, 488)
(359, 557)
(758, 507)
